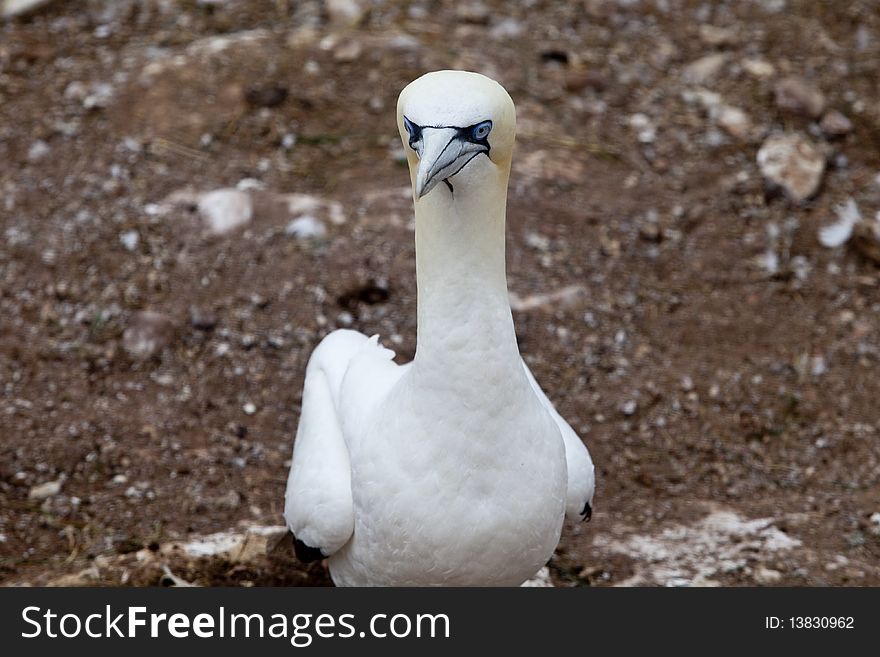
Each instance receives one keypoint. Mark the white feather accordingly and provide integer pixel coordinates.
(454, 469)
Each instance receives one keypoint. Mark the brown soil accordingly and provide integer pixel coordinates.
(700, 381)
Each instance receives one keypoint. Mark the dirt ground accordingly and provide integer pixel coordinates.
(718, 360)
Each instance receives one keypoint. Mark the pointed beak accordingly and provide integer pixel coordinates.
(434, 157)
(443, 153)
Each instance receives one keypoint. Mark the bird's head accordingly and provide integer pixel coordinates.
(457, 128)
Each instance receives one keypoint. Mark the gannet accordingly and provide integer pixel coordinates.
(453, 469)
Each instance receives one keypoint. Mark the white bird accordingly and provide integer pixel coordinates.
(454, 469)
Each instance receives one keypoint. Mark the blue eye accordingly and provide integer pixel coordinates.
(480, 131)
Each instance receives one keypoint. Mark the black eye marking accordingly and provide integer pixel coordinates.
(415, 133)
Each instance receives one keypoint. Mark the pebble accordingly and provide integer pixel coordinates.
(45, 490)
(839, 232)
(758, 68)
(765, 575)
(473, 12)
(202, 319)
(306, 227)
(795, 95)
(344, 13)
(644, 127)
(130, 239)
(38, 150)
(734, 122)
(629, 407)
(705, 69)
(13, 8)
(147, 334)
(793, 163)
(835, 124)
(249, 408)
(505, 29)
(270, 95)
(225, 209)
(347, 51)
(717, 36)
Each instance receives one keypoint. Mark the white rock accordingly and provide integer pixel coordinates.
(765, 575)
(249, 408)
(225, 209)
(541, 579)
(645, 129)
(792, 162)
(506, 28)
(759, 68)
(147, 334)
(130, 239)
(839, 232)
(306, 227)
(100, 95)
(561, 297)
(12, 8)
(46, 490)
(344, 13)
(704, 69)
(798, 96)
(38, 150)
(734, 122)
(712, 35)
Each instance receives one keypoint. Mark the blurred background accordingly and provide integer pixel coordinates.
(194, 192)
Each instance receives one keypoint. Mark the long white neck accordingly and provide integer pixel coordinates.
(465, 328)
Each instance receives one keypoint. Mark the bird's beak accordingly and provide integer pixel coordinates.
(443, 153)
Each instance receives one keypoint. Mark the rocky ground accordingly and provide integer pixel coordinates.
(193, 193)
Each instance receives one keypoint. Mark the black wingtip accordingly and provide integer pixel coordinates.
(587, 513)
(306, 553)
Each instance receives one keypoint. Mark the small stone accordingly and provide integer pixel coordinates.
(505, 29)
(629, 407)
(717, 36)
(130, 239)
(835, 124)
(271, 95)
(759, 68)
(306, 227)
(797, 96)
(38, 150)
(147, 334)
(473, 12)
(46, 490)
(734, 122)
(793, 163)
(202, 318)
(100, 95)
(687, 383)
(644, 127)
(229, 501)
(705, 69)
(13, 8)
(650, 232)
(249, 408)
(838, 233)
(765, 575)
(347, 51)
(344, 13)
(225, 209)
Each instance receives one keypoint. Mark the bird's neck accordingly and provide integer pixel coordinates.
(464, 318)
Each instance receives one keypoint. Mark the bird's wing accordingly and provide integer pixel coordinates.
(318, 502)
(581, 477)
